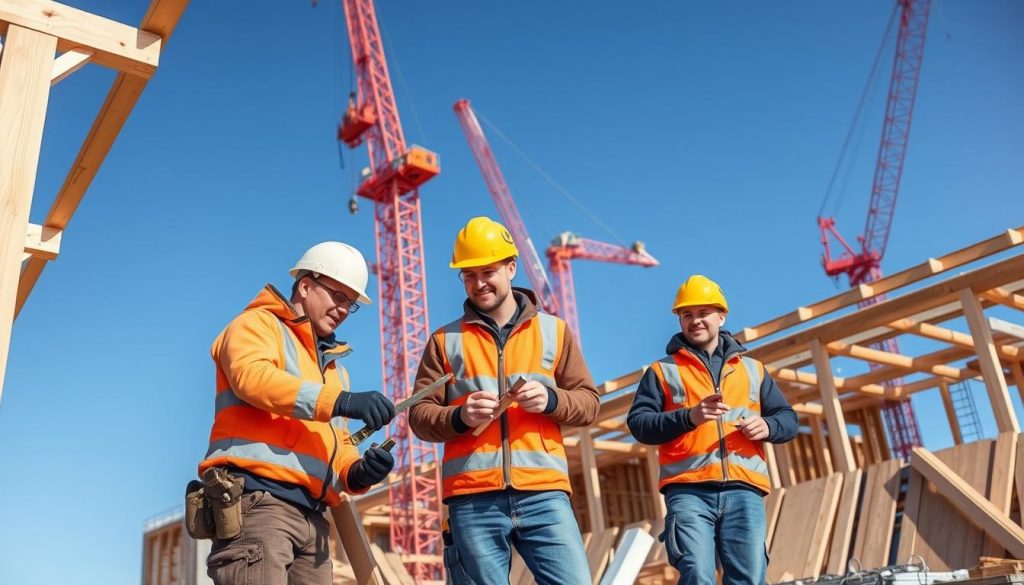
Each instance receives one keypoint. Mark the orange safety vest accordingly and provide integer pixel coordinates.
(713, 451)
(274, 402)
(522, 450)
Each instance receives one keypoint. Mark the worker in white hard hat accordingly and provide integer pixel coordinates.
(279, 450)
(709, 408)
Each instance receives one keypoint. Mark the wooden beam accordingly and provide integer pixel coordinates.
(974, 506)
(898, 360)
(1006, 328)
(936, 295)
(930, 267)
(1018, 378)
(621, 382)
(929, 331)
(591, 483)
(1003, 297)
(840, 383)
(842, 453)
(160, 19)
(42, 242)
(657, 501)
(821, 452)
(991, 369)
(943, 356)
(954, 424)
(68, 63)
(24, 94)
(118, 46)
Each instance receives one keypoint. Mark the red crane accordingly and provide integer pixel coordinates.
(392, 182)
(864, 266)
(569, 246)
(561, 300)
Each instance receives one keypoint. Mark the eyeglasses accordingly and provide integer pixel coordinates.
(339, 298)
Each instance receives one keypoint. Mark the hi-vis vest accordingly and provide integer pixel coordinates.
(520, 449)
(270, 357)
(714, 451)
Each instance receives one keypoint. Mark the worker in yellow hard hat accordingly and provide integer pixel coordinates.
(709, 408)
(518, 376)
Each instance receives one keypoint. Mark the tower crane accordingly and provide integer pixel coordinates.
(392, 182)
(864, 265)
(560, 300)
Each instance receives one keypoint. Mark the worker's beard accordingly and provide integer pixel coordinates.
(496, 302)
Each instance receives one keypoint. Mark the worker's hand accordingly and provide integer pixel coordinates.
(372, 469)
(532, 396)
(708, 409)
(479, 408)
(754, 428)
(373, 408)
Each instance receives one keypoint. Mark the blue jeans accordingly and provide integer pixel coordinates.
(707, 521)
(541, 526)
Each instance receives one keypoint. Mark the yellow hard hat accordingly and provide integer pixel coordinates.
(483, 241)
(699, 290)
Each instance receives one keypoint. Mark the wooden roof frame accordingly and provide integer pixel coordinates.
(35, 31)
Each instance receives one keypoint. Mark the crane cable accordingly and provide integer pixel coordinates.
(855, 122)
(551, 181)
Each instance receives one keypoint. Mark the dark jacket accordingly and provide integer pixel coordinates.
(650, 425)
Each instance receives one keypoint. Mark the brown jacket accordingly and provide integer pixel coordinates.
(578, 402)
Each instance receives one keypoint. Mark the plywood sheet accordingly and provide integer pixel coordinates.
(846, 516)
(873, 539)
(806, 519)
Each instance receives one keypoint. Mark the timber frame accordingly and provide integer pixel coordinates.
(41, 43)
(826, 465)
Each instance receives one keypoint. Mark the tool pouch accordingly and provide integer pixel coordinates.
(198, 515)
(224, 497)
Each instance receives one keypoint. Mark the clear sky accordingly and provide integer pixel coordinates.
(707, 130)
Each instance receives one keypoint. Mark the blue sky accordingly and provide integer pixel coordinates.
(707, 130)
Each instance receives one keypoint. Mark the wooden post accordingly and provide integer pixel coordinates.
(991, 369)
(838, 438)
(821, 453)
(591, 483)
(1018, 378)
(657, 501)
(954, 424)
(25, 73)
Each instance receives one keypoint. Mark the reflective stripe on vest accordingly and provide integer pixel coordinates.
(305, 401)
(257, 451)
(755, 464)
(754, 375)
(483, 460)
(670, 372)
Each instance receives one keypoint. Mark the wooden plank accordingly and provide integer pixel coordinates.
(929, 331)
(517, 569)
(846, 516)
(24, 94)
(42, 242)
(119, 46)
(898, 360)
(591, 483)
(635, 545)
(930, 267)
(821, 451)
(386, 570)
(842, 455)
(1018, 378)
(1001, 476)
(68, 63)
(877, 514)
(160, 19)
(996, 274)
(404, 578)
(807, 517)
(600, 551)
(974, 506)
(991, 369)
(353, 538)
(772, 508)
(1018, 474)
(954, 423)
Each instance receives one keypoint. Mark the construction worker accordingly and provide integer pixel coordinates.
(280, 389)
(505, 475)
(709, 408)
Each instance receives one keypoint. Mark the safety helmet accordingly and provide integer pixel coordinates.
(483, 241)
(338, 261)
(699, 290)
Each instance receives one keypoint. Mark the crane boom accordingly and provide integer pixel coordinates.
(506, 205)
(392, 182)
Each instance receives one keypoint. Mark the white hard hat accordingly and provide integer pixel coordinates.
(338, 261)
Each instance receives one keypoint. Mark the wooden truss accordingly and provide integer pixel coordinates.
(43, 42)
(838, 493)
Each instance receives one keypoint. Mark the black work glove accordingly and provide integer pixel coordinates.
(375, 465)
(373, 408)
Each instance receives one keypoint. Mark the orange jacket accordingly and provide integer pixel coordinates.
(713, 451)
(521, 450)
(274, 401)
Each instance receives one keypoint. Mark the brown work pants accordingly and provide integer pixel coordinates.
(280, 544)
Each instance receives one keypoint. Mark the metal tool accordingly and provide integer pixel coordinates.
(361, 435)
